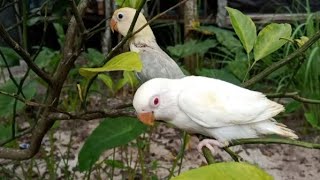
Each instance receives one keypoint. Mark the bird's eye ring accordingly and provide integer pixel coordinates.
(120, 16)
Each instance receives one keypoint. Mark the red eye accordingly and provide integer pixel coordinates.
(156, 101)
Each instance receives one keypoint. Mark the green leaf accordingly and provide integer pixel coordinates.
(120, 84)
(10, 56)
(60, 33)
(244, 28)
(225, 37)
(7, 102)
(5, 132)
(131, 78)
(221, 74)
(225, 170)
(269, 39)
(95, 56)
(292, 106)
(110, 133)
(188, 48)
(128, 61)
(107, 81)
(311, 118)
(239, 68)
(115, 163)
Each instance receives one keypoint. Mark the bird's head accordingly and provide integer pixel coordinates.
(122, 19)
(153, 100)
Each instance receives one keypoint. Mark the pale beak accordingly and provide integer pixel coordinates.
(113, 25)
(147, 118)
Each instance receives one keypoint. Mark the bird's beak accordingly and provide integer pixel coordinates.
(113, 25)
(146, 118)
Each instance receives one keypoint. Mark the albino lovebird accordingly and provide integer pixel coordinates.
(210, 107)
(156, 63)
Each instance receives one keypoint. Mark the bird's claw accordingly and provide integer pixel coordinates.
(210, 144)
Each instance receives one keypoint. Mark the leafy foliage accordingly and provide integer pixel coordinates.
(111, 132)
(188, 48)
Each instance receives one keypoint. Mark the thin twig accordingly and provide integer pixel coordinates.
(25, 55)
(77, 16)
(295, 96)
(274, 141)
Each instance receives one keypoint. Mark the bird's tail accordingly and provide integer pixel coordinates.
(272, 127)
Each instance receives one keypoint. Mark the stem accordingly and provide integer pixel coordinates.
(274, 141)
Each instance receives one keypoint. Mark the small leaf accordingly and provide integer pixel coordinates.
(107, 81)
(301, 41)
(225, 170)
(239, 68)
(292, 106)
(221, 74)
(110, 133)
(269, 39)
(131, 78)
(225, 37)
(244, 28)
(7, 102)
(95, 56)
(128, 61)
(311, 118)
(188, 48)
(10, 56)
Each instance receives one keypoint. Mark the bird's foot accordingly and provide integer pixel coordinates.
(210, 144)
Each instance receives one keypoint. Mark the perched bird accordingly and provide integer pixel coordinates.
(156, 63)
(210, 107)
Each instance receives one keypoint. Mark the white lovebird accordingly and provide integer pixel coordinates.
(156, 63)
(210, 107)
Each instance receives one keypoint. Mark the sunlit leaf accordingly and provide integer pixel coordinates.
(270, 39)
(225, 170)
(110, 133)
(244, 28)
(128, 61)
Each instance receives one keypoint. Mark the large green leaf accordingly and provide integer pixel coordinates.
(111, 132)
(7, 102)
(244, 28)
(10, 56)
(128, 61)
(225, 170)
(131, 78)
(269, 39)
(188, 48)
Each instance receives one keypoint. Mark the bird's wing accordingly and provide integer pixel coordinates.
(213, 103)
(157, 64)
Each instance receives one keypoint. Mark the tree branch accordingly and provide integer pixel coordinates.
(274, 141)
(25, 55)
(282, 62)
(295, 96)
(77, 16)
